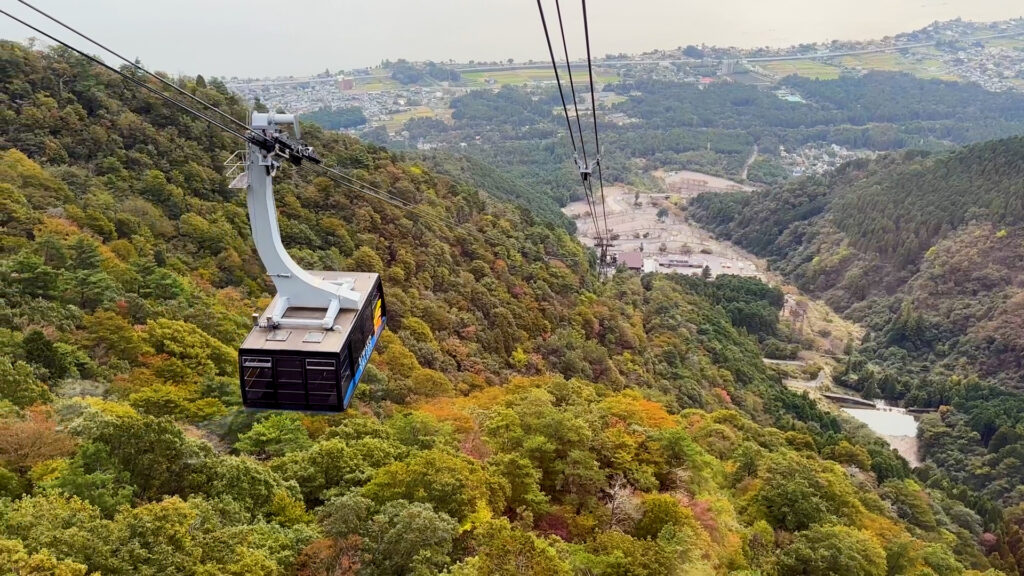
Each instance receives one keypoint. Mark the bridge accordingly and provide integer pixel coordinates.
(850, 400)
(843, 399)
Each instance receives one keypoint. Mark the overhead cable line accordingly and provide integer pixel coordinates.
(558, 78)
(353, 184)
(572, 85)
(416, 209)
(593, 107)
(565, 111)
(585, 168)
(161, 79)
(249, 135)
(363, 188)
(490, 238)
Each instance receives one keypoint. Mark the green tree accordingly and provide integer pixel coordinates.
(759, 546)
(430, 383)
(399, 538)
(846, 453)
(157, 457)
(275, 435)
(659, 511)
(408, 538)
(830, 550)
(614, 553)
(29, 274)
(503, 549)
(203, 354)
(18, 384)
(523, 481)
(67, 528)
(15, 560)
(90, 477)
(11, 485)
(910, 502)
(112, 336)
(794, 496)
(366, 260)
(451, 484)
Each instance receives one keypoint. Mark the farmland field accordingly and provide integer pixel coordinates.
(808, 68)
(529, 76)
(876, 61)
(376, 84)
(395, 122)
(1005, 42)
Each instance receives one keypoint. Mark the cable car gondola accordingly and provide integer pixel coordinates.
(308, 349)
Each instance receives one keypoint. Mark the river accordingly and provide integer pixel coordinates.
(894, 425)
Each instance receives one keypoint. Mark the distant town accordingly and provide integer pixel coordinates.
(385, 97)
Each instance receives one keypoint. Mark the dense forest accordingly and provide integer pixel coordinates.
(924, 249)
(405, 72)
(520, 416)
(877, 111)
(712, 128)
(336, 118)
(959, 112)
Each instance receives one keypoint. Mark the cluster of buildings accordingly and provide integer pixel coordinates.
(637, 262)
(818, 158)
(995, 68)
(965, 50)
(677, 264)
(308, 94)
(298, 95)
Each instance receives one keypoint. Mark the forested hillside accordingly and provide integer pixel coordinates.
(926, 251)
(520, 416)
(649, 124)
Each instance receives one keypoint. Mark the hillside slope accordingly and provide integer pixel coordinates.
(933, 237)
(519, 416)
(926, 251)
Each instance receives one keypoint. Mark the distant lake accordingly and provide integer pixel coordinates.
(886, 423)
(895, 426)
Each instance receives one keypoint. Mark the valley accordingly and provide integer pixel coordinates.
(651, 230)
(822, 378)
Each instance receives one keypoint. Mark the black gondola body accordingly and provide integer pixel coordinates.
(287, 368)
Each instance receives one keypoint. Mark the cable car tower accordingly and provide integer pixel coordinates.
(308, 349)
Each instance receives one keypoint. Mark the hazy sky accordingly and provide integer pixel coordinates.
(264, 38)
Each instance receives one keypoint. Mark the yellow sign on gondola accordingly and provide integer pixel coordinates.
(378, 319)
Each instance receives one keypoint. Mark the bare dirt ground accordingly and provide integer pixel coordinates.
(907, 446)
(815, 322)
(633, 217)
(688, 184)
